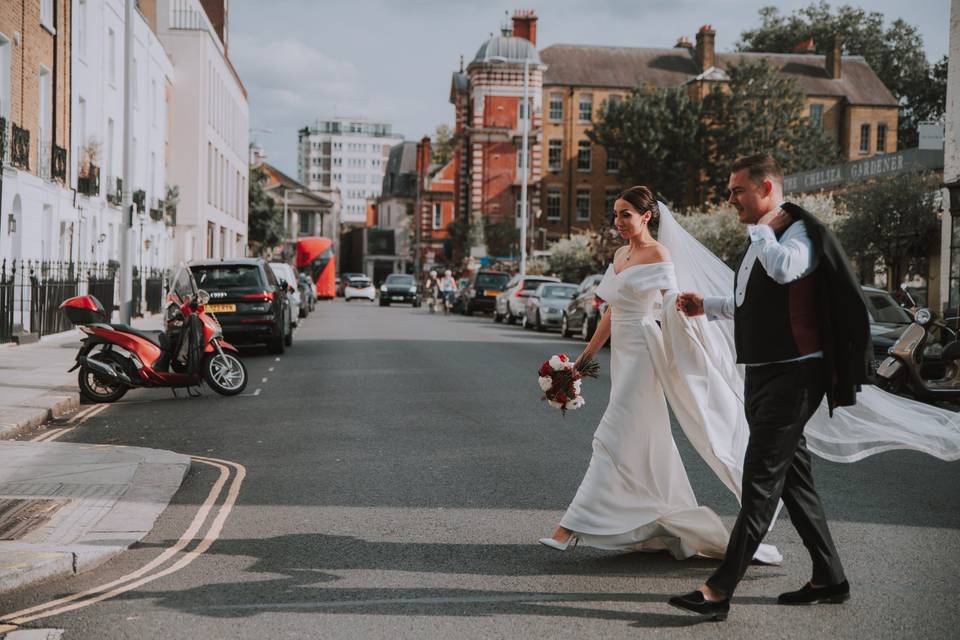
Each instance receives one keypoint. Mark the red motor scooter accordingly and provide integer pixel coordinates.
(115, 358)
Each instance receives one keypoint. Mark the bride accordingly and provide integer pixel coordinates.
(635, 494)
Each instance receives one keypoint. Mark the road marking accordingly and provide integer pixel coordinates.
(46, 434)
(276, 360)
(142, 576)
(264, 380)
(270, 370)
(75, 421)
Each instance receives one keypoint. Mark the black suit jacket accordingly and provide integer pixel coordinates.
(844, 321)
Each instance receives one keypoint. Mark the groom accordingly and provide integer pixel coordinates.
(802, 330)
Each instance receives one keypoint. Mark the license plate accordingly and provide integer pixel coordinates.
(220, 308)
(397, 298)
(491, 294)
(889, 367)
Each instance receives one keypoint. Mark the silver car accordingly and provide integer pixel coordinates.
(511, 304)
(545, 307)
(288, 276)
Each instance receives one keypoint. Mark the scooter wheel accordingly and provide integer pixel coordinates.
(95, 389)
(224, 373)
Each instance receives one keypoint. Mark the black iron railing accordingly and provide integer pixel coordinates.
(3, 141)
(19, 147)
(89, 182)
(58, 161)
(140, 199)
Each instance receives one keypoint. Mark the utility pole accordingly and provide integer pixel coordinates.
(126, 199)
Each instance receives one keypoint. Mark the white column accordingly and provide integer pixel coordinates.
(951, 150)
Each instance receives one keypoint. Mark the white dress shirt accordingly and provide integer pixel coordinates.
(786, 260)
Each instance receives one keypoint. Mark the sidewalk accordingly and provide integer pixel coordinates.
(70, 507)
(35, 385)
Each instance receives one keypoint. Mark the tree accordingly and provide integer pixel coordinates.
(264, 218)
(502, 237)
(760, 110)
(459, 233)
(894, 52)
(442, 146)
(571, 259)
(654, 133)
(894, 220)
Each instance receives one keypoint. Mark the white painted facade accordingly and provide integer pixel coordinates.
(951, 160)
(97, 124)
(209, 137)
(349, 156)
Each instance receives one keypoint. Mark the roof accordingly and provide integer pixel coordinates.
(511, 48)
(631, 67)
(400, 176)
(277, 179)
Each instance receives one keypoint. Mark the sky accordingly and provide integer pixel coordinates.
(301, 60)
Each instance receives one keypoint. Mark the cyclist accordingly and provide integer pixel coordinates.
(432, 290)
(448, 285)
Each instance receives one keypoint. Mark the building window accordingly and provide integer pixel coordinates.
(816, 114)
(583, 204)
(4, 77)
(305, 223)
(437, 215)
(556, 107)
(520, 161)
(555, 155)
(583, 155)
(112, 56)
(865, 138)
(613, 161)
(553, 204)
(82, 30)
(45, 106)
(523, 112)
(881, 137)
(586, 107)
(46, 13)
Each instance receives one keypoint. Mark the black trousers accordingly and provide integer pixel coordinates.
(779, 400)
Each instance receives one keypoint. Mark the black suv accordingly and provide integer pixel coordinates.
(247, 299)
(399, 287)
(481, 294)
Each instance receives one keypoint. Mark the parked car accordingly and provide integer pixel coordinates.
(288, 277)
(308, 293)
(513, 304)
(399, 287)
(483, 290)
(359, 287)
(546, 306)
(456, 305)
(248, 301)
(343, 278)
(584, 311)
(887, 321)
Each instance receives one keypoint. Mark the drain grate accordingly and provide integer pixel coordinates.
(18, 517)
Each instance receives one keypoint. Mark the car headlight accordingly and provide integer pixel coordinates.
(413, 289)
(383, 288)
(923, 317)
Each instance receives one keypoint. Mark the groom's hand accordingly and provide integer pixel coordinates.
(776, 220)
(690, 304)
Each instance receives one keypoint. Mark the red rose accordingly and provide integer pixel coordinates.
(546, 369)
(563, 357)
(561, 397)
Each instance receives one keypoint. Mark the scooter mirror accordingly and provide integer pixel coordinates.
(903, 286)
(203, 297)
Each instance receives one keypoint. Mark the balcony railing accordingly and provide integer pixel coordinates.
(140, 199)
(4, 140)
(89, 182)
(114, 190)
(19, 147)
(59, 163)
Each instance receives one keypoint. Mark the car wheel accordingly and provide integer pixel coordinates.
(509, 317)
(468, 309)
(538, 325)
(564, 327)
(523, 322)
(416, 304)
(276, 345)
(496, 317)
(587, 329)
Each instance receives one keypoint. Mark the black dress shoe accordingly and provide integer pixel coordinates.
(697, 603)
(834, 594)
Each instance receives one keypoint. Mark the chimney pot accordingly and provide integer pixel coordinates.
(683, 42)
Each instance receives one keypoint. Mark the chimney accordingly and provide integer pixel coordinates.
(525, 25)
(423, 157)
(706, 56)
(805, 46)
(683, 42)
(834, 53)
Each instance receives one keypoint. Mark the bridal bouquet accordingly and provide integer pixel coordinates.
(560, 381)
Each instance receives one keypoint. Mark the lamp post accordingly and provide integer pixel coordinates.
(126, 198)
(953, 283)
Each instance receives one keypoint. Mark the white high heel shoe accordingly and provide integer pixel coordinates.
(560, 546)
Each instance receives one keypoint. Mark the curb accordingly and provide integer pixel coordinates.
(18, 420)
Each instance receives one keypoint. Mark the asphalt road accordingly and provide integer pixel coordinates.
(400, 469)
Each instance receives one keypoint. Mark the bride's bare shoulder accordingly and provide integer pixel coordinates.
(660, 253)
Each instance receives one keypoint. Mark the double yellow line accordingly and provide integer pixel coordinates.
(170, 561)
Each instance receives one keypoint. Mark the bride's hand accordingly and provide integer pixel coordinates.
(585, 356)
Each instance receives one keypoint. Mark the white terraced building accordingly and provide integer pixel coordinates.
(346, 155)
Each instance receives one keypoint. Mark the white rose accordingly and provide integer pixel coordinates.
(556, 363)
(569, 364)
(554, 404)
(576, 386)
(575, 403)
(545, 383)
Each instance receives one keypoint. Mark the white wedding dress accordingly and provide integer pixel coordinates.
(636, 494)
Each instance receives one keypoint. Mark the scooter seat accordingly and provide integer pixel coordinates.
(158, 338)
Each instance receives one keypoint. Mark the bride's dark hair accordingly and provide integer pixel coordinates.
(642, 199)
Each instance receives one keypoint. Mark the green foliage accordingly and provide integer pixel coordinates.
(459, 232)
(502, 237)
(763, 111)
(655, 133)
(894, 52)
(894, 220)
(265, 220)
(719, 230)
(572, 259)
(441, 149)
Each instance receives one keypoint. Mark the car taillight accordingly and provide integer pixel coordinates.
(263, 295)
(597, 302)
(517, 293)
